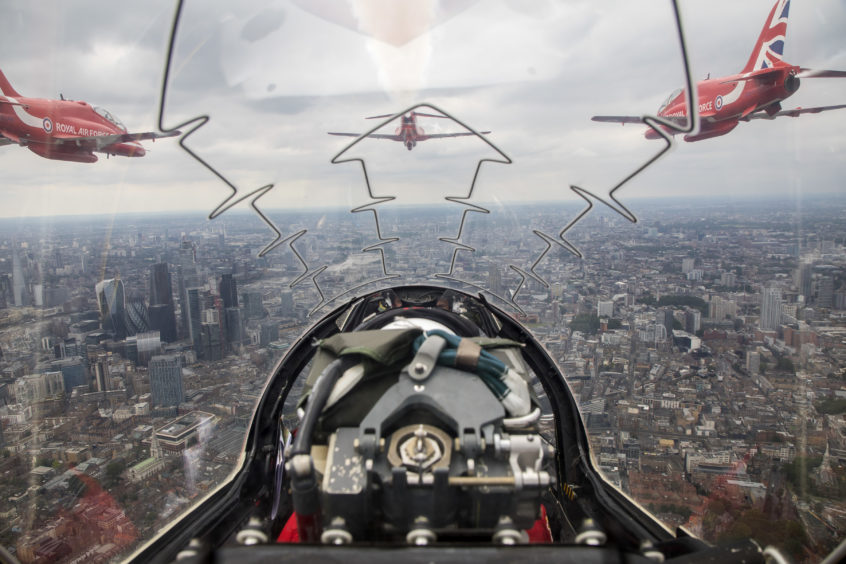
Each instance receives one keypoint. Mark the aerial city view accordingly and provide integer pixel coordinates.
(439, 275)
(706, 351)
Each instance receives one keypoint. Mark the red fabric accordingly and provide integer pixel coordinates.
(540, 533)
(290, 533)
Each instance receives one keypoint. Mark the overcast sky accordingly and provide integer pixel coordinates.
(274, 77)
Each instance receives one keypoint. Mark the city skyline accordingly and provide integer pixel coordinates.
(675, 372)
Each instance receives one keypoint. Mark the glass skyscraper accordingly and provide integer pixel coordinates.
(770, 309)
(166, 380)
(162, 313)
(111, 300)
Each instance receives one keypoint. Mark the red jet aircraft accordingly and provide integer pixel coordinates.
(755, 93)
(409, 133)
(66, 130)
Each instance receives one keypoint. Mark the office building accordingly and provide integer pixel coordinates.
(825, 292)
(253, 305)
(692, 320)
(770, 309)
(162, 312)
(234, 327)
(111, 301)
(149, 345)
(287, 304)
(665, 318)
(228, 289)
(211, 343)
(73, 373)
(101, 374)
(137, 320)
(193, 316)
(269, 333)
(166, 380)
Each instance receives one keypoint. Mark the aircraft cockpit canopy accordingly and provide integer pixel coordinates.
(110, 116)
(669, 99)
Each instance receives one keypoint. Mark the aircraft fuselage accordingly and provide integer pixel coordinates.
(723, 102)
(44, 126)
(410, 132)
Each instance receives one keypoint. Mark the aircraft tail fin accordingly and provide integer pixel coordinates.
(769, 49)
(6, 87)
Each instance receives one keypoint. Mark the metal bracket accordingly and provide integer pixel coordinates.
(427, 356)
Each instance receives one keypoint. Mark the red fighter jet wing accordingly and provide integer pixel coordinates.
(682, 120)
(399, 138)
(372, 135)
(442, 135)
(100, 142)
(792, 113)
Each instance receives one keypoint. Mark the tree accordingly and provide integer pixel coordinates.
(784, 364)
(587, 323)
(113, 473)
(832, 406)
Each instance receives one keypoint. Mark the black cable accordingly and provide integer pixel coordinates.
(319, 395)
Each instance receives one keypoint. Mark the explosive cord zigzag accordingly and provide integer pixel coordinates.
(660, 126)
(377, 200)
(194, 124)
(664, 128)
(371, 207)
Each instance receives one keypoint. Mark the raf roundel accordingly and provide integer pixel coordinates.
(718, 103)
(48, 125)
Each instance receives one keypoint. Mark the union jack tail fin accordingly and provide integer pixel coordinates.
(769, 49)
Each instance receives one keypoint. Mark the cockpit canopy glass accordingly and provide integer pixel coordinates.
(110, 116)
(669, 99)
(702, 338)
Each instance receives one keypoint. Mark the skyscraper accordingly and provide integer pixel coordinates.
(287, 303)
(253, 305)
(269, 333)
(211, 344)
(692, 320)
(665, 318)
(166, 380)
(825, 292)
(102, 378)
(770, 309)
(73, 373)
(7, 296)
(111, 300)
(162, 313)
(137, 319)
(21, 295)
(494, 279)
(234, 326)
(803, 279)
(228, 291)
(192, 315)
(149, 345)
